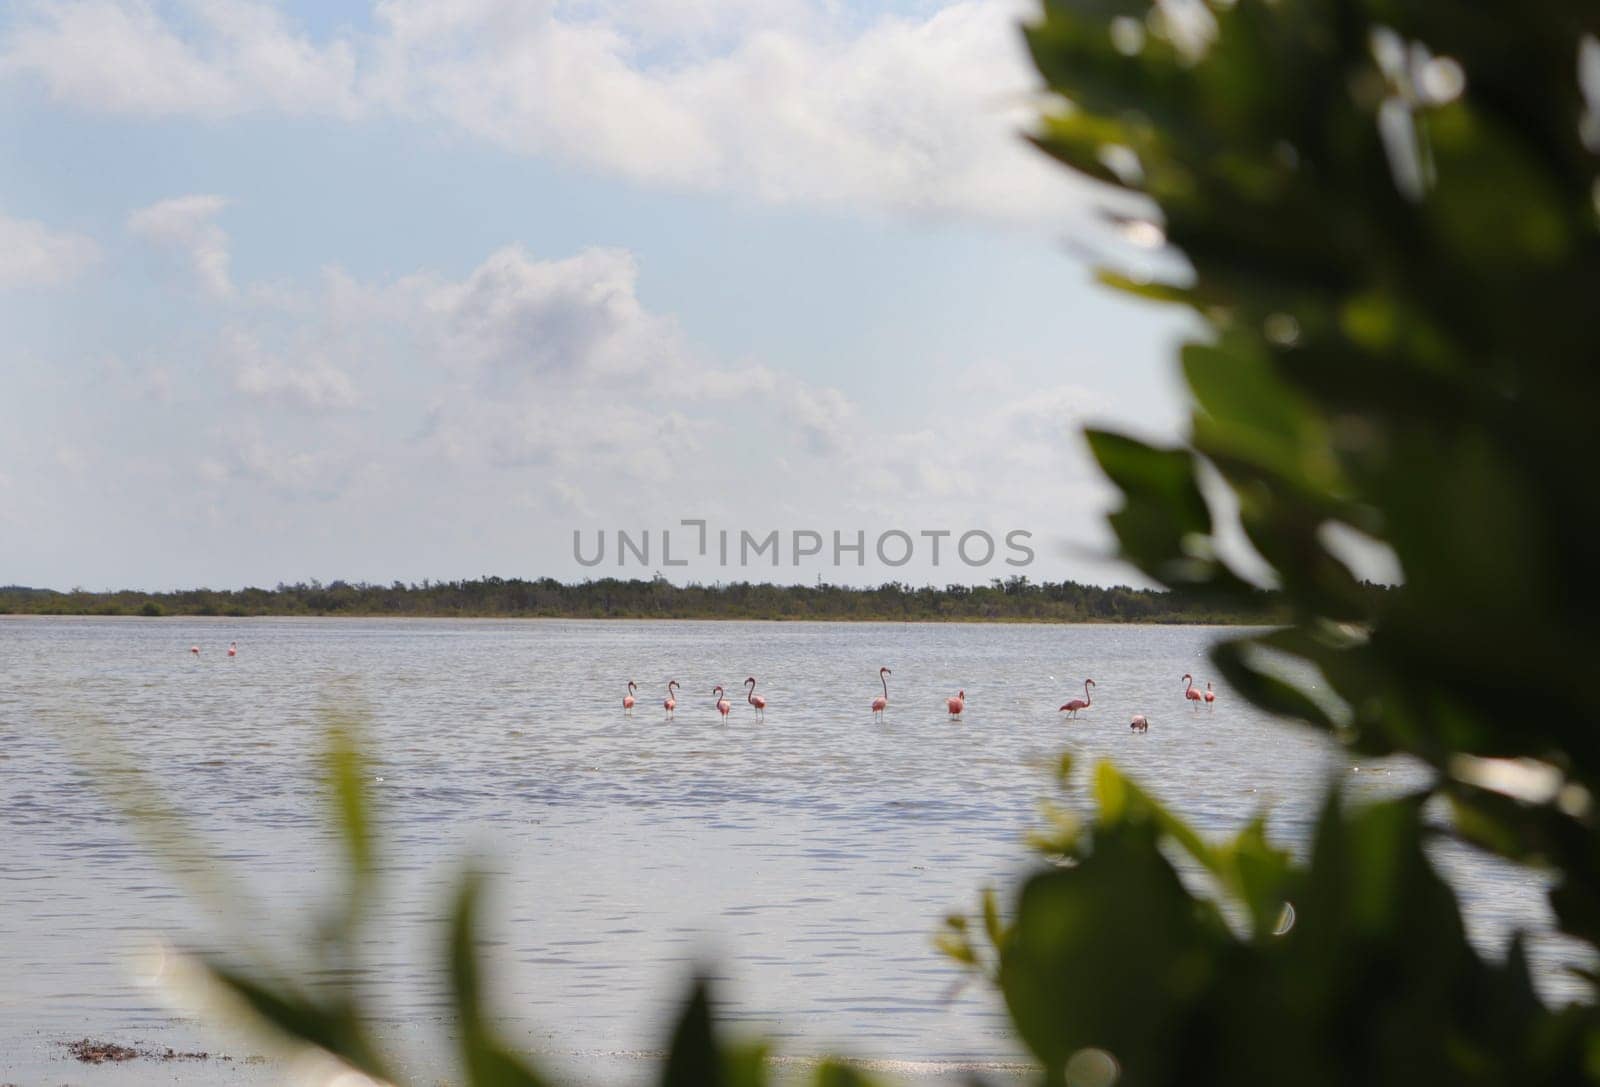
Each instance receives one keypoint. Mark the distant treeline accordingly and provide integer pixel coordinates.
(1014, 599)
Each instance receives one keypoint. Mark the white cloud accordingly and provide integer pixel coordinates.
(548, 369)
(1022, 453)
(314, 387)
(907, 114)
(546, 387)
(523, 317)
(74, 459)
(157, 384)
(224, 57)
(146, 381)
(778, 101)
(33, 255)
(187, 225)
(824, 416)
(438, 424)
(212, 470)
(295, 473)
(244, 458)
(697, 27)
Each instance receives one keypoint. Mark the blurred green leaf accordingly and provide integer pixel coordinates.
(1162, 507)
(1268, 691)
(335, 1028)
(992, 925)
(347, 775)
(1091, 941)
(693, 1059)
(834, 1074)
(486, 1061)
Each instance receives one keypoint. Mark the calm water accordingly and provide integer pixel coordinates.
(809, 858)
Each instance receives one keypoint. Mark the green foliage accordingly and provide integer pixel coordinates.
(484, 1060)
(1014, 598)
(1391, 219)
(1400, 345)
(1369, 979)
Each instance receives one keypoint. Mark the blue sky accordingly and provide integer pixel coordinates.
(420, 289)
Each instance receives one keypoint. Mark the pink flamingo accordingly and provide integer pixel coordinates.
(1190, 693)
(1140, 723)
(757, 703)
(1083, 703)
(881, 704)
(671, 704)
(723, 705)
(233, 649)
(627, 699)
(195, 650)
(957, 704)
(1211, 696)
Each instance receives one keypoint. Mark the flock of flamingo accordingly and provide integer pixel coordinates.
(955, 705)
(724, 707)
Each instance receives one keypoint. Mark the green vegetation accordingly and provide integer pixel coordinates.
(492, 597)
(1391, 216)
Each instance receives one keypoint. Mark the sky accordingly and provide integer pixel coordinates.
(436, 288)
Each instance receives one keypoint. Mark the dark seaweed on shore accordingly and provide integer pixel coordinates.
(90, 1051)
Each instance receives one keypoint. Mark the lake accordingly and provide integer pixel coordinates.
(806, 860)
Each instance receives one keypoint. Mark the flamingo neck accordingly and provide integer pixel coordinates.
(883, 679)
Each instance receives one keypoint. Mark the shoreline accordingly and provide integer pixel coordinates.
(130, 1059)
(1014, 600)
(1241, 623)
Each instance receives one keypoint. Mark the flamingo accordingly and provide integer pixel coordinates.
(195, 650)
(723, 705)
(671, 704)
(1140, 723)
(881, 704)
(957, 704)
(1211, 696)
(1083, 703)
(627, 699)
(233, 649)
(757, 703)
(1190, 693)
